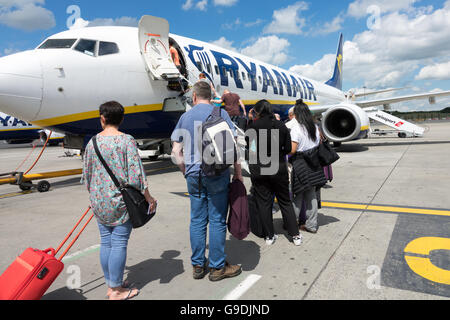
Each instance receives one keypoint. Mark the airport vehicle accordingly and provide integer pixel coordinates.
(61, 83)
(16, 131)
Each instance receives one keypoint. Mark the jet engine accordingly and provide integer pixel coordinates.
(345, 122)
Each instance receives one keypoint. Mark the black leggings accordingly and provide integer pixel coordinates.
(265, 188)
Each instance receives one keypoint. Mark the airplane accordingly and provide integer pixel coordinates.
(60, 84)
(16, 131)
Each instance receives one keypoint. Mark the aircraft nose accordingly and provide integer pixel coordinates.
(21, 85)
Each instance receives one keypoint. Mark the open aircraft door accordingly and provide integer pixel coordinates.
(154, 45)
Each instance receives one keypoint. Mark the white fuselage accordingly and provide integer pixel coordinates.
(62, 88)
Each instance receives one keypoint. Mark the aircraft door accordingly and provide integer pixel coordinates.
(154, 45)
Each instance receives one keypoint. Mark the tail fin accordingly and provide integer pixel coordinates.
(336, 81)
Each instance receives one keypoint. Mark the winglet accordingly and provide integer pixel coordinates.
(336, 81)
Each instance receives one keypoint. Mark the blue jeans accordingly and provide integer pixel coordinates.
(113, 252)
(209, 204)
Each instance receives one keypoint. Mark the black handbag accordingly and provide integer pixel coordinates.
(327, 155)
(137, 205)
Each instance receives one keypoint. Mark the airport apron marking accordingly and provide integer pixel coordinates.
(386, 208)
(423, 265)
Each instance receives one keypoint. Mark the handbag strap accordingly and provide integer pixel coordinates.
(102, 160)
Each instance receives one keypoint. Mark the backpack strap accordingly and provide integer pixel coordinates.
(107, 168)
(216, 112)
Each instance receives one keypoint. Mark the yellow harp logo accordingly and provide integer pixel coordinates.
(340, 62)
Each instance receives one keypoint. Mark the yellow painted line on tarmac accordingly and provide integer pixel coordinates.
(386, 209)
(16, 194)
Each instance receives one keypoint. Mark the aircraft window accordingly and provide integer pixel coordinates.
(249, 77)
(86, 47)
(224, 71)
(260, 80)
(237, 75)
(58, 44)
(106, 48)
(200, 66)
(243, 76)
(217, 69)
(232, 74)
(208, 67)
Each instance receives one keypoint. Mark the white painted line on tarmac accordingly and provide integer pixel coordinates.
(78, 254)
(243, 287)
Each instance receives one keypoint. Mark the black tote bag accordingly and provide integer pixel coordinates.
(327, 155)
(137, 205)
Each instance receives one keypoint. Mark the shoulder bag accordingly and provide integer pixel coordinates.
(137, 205)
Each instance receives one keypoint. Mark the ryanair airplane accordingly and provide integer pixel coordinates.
(16, 131)
(61, 83)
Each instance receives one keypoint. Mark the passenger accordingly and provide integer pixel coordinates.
(308, 175)
(232, 103)
(208, 195)
(121, 153)
(292, 121)
(268, 184)
(175, 55)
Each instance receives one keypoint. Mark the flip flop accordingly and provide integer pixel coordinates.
(129, 294)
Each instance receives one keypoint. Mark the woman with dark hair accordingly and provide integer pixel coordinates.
(308, 175)
(269, 142)
(121, 154)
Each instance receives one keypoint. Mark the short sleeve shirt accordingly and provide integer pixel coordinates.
(189, 132)
(300, 135)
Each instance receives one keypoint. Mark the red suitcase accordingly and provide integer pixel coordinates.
(34, 271)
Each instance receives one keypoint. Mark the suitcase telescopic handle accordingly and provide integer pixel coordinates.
(71, 232)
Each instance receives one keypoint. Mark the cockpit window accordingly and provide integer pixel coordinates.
(106, 48)
(58, 44)
(86, 47)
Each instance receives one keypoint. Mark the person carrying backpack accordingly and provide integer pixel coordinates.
(208, 180)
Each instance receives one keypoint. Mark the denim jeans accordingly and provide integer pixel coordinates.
(113, 252)
(209, 204)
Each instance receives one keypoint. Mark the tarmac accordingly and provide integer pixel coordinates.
(384, 231)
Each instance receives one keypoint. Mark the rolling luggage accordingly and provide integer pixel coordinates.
(34, 271)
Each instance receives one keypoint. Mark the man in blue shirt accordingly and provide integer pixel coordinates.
(209, 195)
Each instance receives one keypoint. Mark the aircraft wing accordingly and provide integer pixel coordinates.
(430, 96)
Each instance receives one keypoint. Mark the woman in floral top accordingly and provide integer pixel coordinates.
(121, 154)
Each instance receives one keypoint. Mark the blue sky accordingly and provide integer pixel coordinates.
(389, 43)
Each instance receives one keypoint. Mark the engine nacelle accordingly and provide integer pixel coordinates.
(345, 122)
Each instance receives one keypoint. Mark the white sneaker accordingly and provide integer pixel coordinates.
(298, 240)
(270, 242)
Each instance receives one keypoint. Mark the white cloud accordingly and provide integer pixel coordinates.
(201, 5)
(28, 15)
(269, 49)
(358, 8)
(330, 27)
(225, 3)
(391, 56)
(224, 43)
(287, 20)
(438, 71)
(122, 21)
(187, 5)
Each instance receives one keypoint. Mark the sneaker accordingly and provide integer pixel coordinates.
(228, 271)
(270, 242)
(298, 240)
(199, 272)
